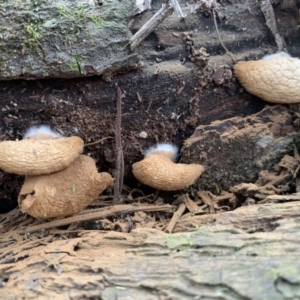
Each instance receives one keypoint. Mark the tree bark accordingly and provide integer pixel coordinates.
(218, 261)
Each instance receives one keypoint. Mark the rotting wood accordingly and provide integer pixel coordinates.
(258, 216)
(43, 49)
(215, 261)
(278, 198)
(110, 211)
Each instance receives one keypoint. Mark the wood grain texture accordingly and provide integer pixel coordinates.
(216, 261)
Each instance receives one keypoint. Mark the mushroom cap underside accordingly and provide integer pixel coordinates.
(159, 172)
(63, 193)
(276, 80)
(37, 157)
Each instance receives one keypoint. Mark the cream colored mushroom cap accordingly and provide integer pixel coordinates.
(275, 80)
(39, 156)
(63, 193)
(160, 172)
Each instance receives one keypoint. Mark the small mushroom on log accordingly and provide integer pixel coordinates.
(63, 193)
(275, 78)
(159, 170)
(37, 156)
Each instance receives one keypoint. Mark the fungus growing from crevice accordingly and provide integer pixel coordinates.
(39, 153)
(63, 193)
(159, 170)
(275, 78)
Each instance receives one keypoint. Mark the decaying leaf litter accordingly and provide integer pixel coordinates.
(22, 233)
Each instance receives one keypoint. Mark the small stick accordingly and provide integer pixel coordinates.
(267, 9)
(98, 141)
(218, 35)
(119, 155)
(139, 97)
(110, 211)
(177, 8)
(150, 25)
(149, 106)
(176, 216)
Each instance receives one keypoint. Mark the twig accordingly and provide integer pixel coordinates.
(267, 9)
(190, 204)
(110, 211)
(150, 25)
(119, 152)
(218, 34)
(277, 198)
(98, 141)
(176, 216)
(178, 10)
(207, 197)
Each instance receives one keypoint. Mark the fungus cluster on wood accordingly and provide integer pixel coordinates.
(275, 78)
(63, 193)
(159, 170)
(59, 181)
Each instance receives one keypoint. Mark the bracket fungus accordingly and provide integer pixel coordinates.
(159, 170)
(275, 78)
(41, 152)
(63, 193)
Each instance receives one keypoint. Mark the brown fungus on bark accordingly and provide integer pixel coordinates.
(159, 170)
(275, 78)
(63, 193)
(39, 156)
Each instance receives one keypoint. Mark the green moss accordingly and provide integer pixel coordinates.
(32, 36)
(182, 241)
(74, 66)
(57, 30)
(83, 15)
(77, 15)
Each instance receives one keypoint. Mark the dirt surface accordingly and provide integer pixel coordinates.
(236, 232)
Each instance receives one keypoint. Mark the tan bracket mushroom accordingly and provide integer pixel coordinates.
(63, 193)
(275, 78)
(41, 152)
(159, 170)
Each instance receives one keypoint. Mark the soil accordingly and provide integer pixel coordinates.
(116, 252)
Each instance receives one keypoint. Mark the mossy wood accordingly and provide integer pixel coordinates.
(65, 38)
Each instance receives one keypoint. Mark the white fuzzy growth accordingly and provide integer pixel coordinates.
(143, 134)
(40, 131)
(279, 54)
(169, 149)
